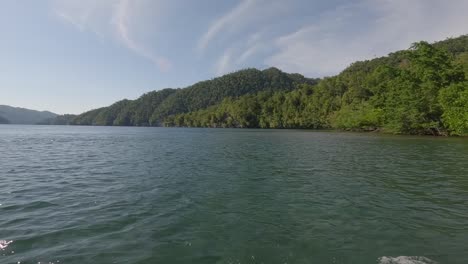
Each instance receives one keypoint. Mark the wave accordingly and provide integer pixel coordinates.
(405, 260)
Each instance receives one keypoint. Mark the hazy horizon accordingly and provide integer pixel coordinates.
(68, 57)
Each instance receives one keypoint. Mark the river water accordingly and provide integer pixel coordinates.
(174, 195)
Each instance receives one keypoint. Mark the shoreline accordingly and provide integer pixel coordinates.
(356, 131)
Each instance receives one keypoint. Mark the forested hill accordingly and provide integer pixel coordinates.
(18, 115)
(422, 90)
(154, 107)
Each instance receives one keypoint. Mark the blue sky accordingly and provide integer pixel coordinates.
(69, 56)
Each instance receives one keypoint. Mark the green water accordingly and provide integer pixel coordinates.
(158, 195)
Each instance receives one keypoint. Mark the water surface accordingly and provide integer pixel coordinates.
(171, 195)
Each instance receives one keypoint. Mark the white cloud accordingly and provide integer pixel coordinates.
(233, 17)
(341, 37)
(121, 19)
(276, 33)
(254, 45)
(249, 52)
(85, 14)
(246, 15)
(236, 55)
(248, 18)
(79, 23)
(109, 18)
(223, 64)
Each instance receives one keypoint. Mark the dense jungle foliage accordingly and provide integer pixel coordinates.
(422, 90)
(152, 108)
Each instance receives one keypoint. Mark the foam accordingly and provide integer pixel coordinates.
(406, 260)
(4, 244)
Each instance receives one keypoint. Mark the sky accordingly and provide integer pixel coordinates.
(70, 56)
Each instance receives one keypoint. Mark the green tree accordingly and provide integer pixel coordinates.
(454, 102)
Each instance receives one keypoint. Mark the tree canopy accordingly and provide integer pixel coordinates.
(152, 108)
(422, 90)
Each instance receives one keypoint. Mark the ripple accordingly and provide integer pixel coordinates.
(133, 195)
(29, 206)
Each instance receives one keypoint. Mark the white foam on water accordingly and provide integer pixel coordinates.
(405, 260)
(4, 244)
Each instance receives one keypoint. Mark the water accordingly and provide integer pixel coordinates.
(168, 195)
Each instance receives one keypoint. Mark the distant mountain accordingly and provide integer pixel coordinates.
(17, 115)
(4, 120)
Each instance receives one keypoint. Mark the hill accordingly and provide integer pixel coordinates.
(58, 120)
(152, 108)
(422, 90)
(17, 115)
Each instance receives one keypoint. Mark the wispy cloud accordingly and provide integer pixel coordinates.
(78, 23)
(107, 18)
(365, 29)
(315, 38)
(121, 19)
(234, 57)
(233, 17)
(223, 65)
(85, 14)
(241, 31)
(254, 45)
